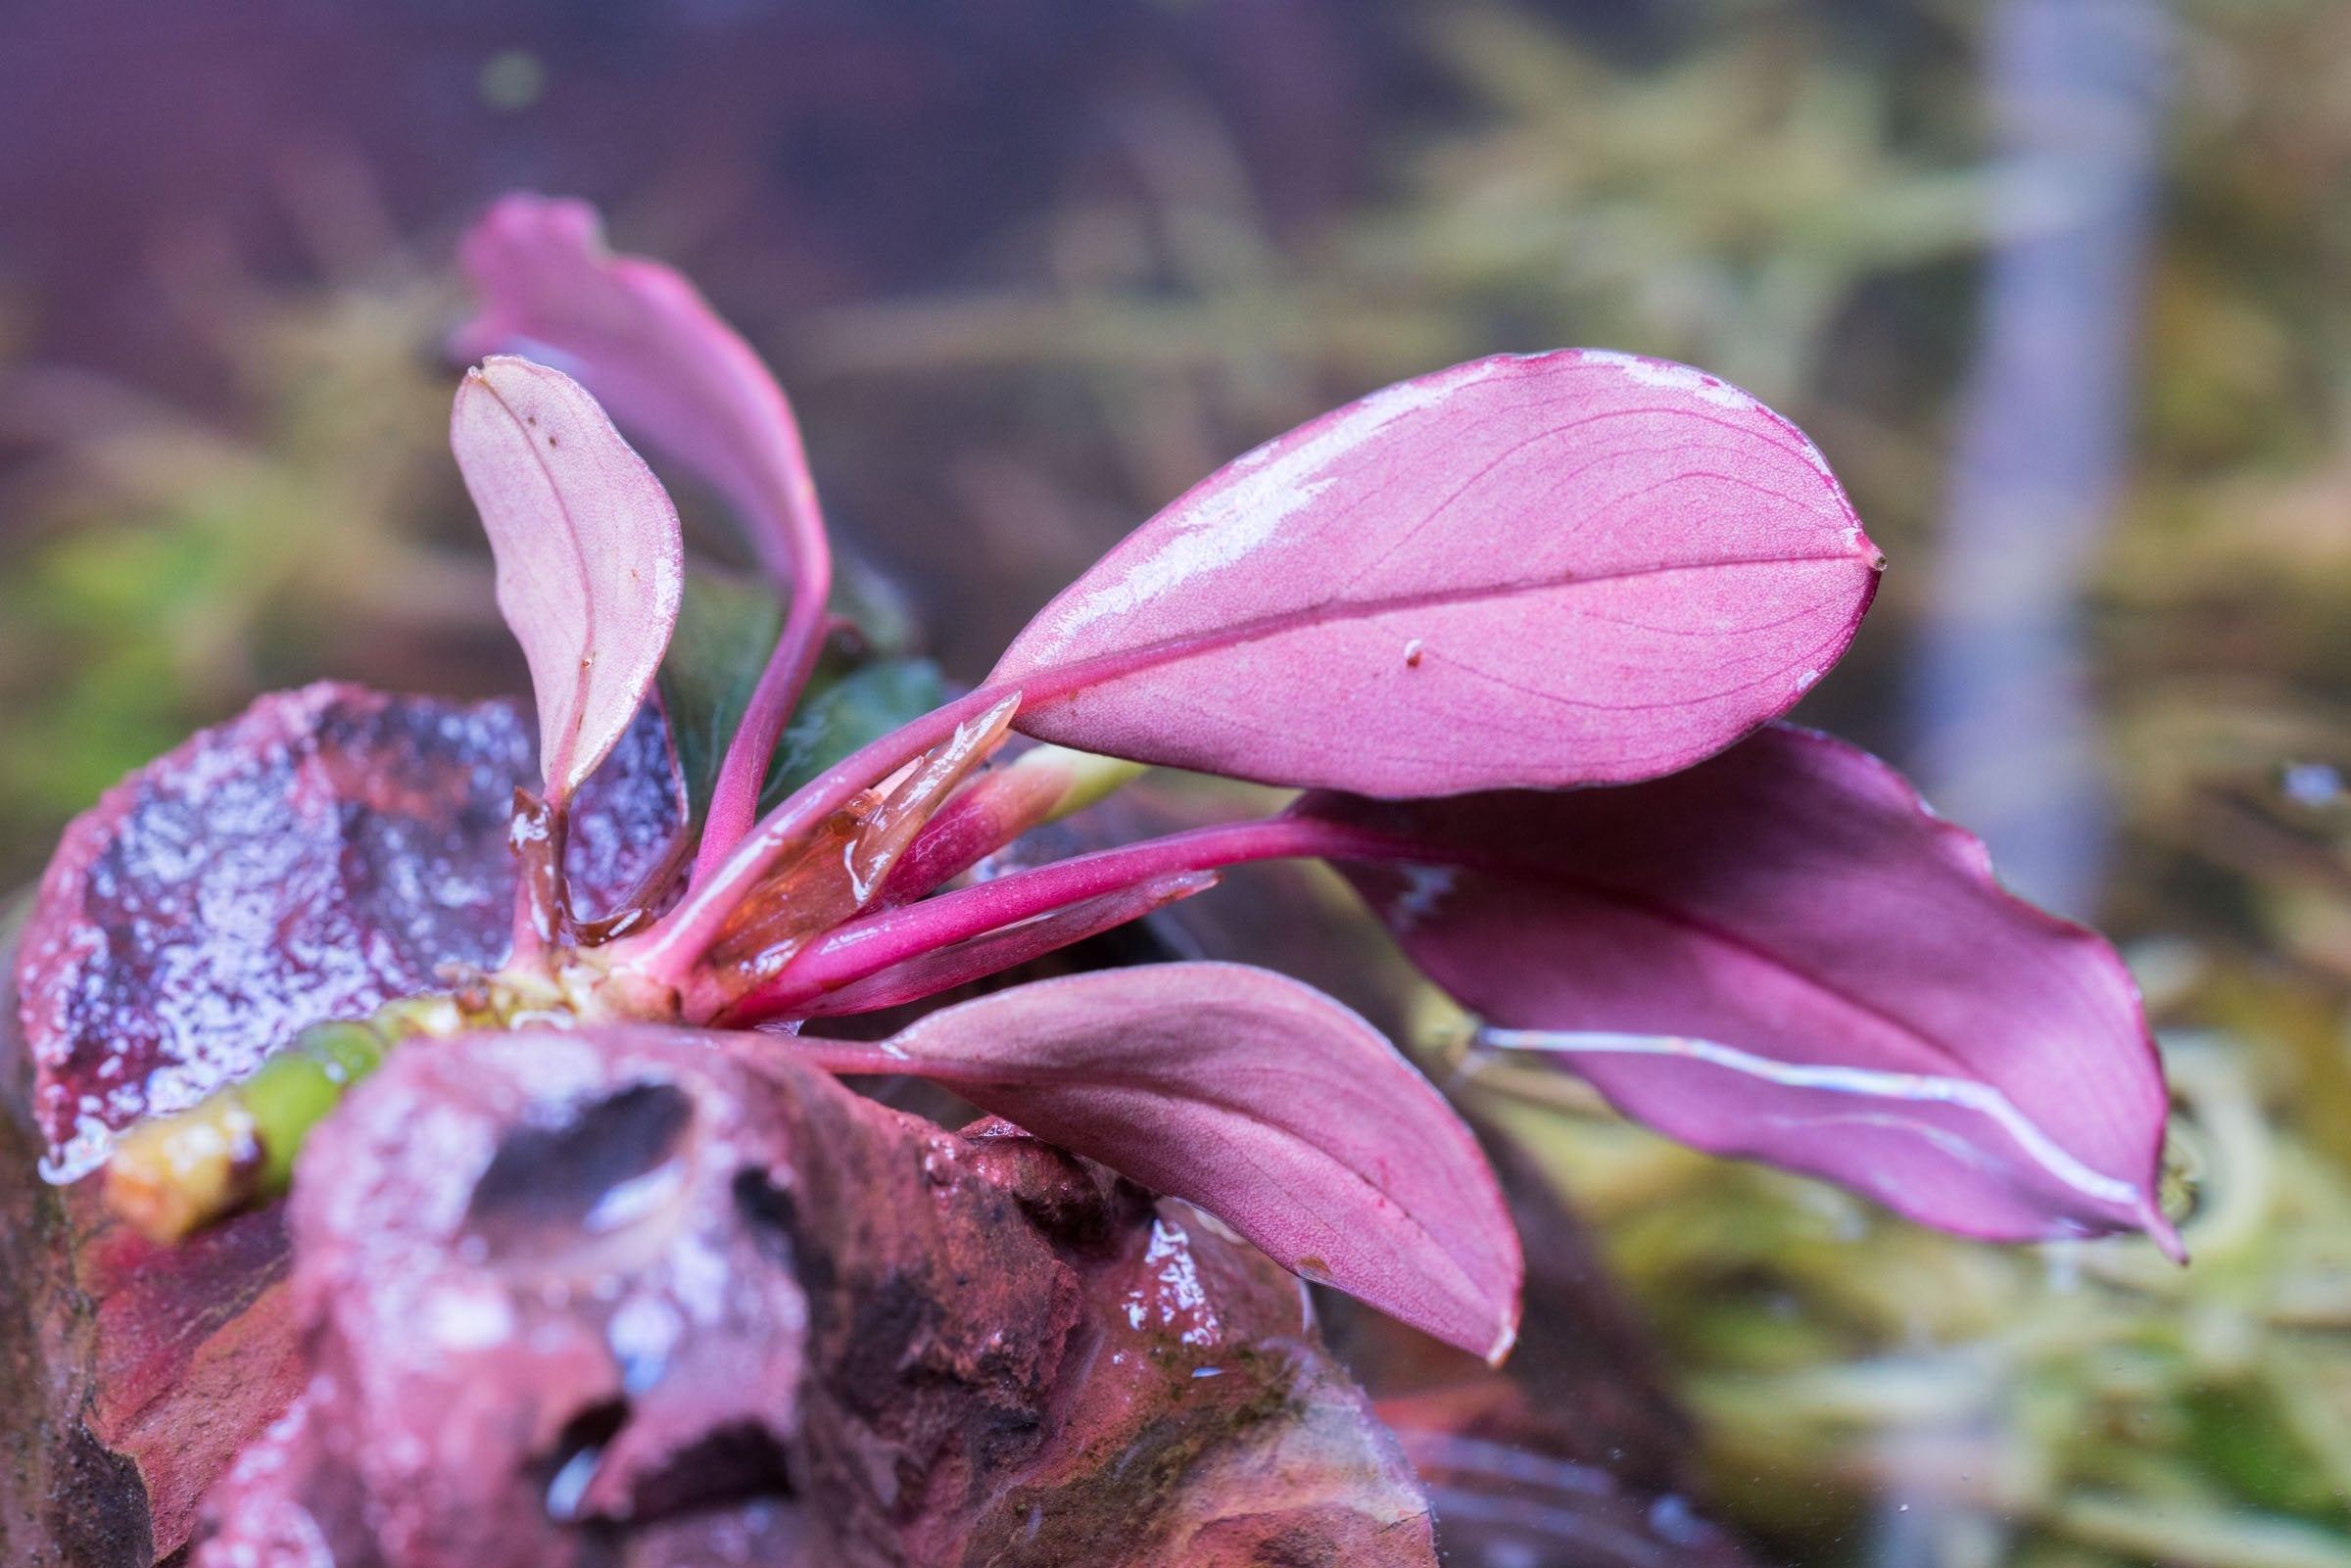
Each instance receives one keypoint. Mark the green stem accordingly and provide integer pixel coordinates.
(174, 1175)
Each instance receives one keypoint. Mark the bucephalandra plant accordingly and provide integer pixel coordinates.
(1521, 629)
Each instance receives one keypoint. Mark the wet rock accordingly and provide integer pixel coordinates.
(133, 1373)
(630, 1296)
(328, 850)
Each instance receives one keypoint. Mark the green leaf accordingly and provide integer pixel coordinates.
(2240, 1436)
(873, 604)
(727, 628)
(842, 714)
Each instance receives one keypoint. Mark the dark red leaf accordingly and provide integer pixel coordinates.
(1783, 954)
(328, 850)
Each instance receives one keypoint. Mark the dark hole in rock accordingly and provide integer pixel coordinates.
(773, 1217)
(594, 1173)
(738, 1462)
(579, 1450)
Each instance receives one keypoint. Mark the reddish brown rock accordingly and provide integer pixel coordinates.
(571, 1297)
(329, 849)
(751, 1318)
(1002, 1341)
(134, 1373)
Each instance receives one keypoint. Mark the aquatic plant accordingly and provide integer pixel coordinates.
(1522, 630)
(1384, 603)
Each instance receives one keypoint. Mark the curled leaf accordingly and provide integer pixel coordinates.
(1564, 568)
(1783, 954)
(1258, 1098)
(590, 563)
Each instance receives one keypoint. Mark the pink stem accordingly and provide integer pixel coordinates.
(734, 797)
(1007, 947)
(807, 557)
(851, 1056)
(867, 946)
(856, 1058)
(669, 952)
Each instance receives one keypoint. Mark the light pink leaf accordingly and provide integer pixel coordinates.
(591, 565)
(1261, 1100)
(648, 344)
(653, 351)
(1564, 568)
(1783, 954)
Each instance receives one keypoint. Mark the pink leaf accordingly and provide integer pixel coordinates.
(650, 348)
(653, 351)
(591, 565)
(1783, 954)
(1566, 568)
(1258, 1098)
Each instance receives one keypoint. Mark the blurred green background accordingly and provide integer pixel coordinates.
(2062, 288)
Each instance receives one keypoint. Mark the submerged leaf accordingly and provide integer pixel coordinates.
(1258, 1098)
(590, 563)
(1564, 568)
(1784, 954)
(641, 336)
